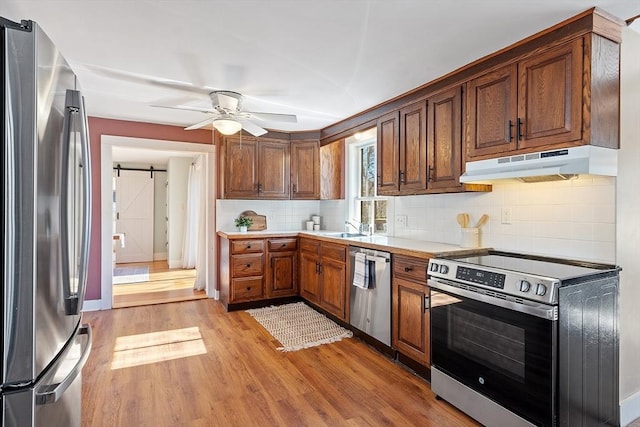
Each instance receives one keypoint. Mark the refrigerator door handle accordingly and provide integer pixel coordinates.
(74, 105)
(51, 393)
(86, 207)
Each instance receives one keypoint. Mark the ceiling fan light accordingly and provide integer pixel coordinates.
(227, 126)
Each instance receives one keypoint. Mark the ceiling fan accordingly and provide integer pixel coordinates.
(227, 116)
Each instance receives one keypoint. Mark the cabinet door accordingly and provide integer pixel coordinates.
(550, 96)
(410, 320)
(305, 170)
(273, 182)
(388, 154)
(413, 148)
(282, 274)
(444, 139)
(309, 277)
(493, 109)
(334, 284)
(240, 168)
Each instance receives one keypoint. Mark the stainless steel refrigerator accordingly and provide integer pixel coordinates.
(45, 185)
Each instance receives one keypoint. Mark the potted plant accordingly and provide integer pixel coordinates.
(243, 222)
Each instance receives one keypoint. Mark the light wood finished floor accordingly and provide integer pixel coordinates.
(164, 285)
(212, 368)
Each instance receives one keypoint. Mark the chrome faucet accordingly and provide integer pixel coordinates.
(360, 228)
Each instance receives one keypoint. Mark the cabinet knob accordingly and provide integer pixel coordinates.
(248, 246)
(248, 265)
(283, 245)
(248, 288)
(408, 269)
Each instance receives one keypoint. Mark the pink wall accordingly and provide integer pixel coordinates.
(97, 128)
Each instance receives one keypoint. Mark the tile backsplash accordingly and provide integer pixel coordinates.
(282, 215)
(570, 219)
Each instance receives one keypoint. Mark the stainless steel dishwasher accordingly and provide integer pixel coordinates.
(370, 310)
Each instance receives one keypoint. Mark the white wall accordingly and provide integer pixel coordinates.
(178, 178)
(282, 215)
(628, 221)
(160, 215)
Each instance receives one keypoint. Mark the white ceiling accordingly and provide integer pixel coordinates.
(323, 60)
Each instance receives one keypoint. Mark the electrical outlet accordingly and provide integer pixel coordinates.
(506, 216)
(401, 221)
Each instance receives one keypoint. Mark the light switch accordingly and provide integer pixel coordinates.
(401, 221)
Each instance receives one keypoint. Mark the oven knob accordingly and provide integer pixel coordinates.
(541, 289)
(434, 267)
(525, 286)
(444, 269)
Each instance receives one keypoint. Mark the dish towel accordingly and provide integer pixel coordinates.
(361, 271)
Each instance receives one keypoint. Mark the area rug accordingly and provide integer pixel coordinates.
(297, 326)
(128, 275)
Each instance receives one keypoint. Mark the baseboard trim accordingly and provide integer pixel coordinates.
(92, 305)
(160, 256)
(630, 409)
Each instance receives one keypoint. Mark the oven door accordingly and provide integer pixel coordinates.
(502, 353)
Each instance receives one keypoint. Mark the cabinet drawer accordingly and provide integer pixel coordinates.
(247, 265)
(247, 289)
(247, 246)
(307, 245)
(282, 245)
(410, 268)
(337, 252)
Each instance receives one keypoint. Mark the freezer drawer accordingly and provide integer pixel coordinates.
(56, 399)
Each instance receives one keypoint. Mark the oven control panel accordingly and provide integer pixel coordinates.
(520, 285)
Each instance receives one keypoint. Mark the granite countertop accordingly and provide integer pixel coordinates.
(396, 245)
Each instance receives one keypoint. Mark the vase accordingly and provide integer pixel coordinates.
(243, 228)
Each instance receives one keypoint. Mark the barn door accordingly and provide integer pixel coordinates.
(134, 216)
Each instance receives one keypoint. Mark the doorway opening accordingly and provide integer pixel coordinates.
(145, 219)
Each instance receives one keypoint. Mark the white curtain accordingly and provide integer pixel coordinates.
(193, 248)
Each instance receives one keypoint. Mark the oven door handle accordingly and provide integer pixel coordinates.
(543, 311)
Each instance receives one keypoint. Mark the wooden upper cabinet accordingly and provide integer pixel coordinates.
(273, 182)
(332, 166)
(550, 96)
(388, 154)
(534, 104)
(240, 168)
(305, 169)
(444, 140)
(255, 169)
(413, 148)
(492, 101)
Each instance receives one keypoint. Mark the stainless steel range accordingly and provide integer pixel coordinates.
(525, 340)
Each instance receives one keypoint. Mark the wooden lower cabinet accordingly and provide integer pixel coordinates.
(323, 275)
(410, 309)
(257, 269)
(282, 270)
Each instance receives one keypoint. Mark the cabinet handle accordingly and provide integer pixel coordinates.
(248, 265)
(294, 188)
(509, 126)
(379, 180)
(283, 245)
(402, 177)
(429, 173)
(426, 303)
(248, 288)
(408, 269)
(259, 188)
(520, 125)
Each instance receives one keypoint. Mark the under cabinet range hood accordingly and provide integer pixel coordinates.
(544, 165)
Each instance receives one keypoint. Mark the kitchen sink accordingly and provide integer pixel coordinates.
(345, 235)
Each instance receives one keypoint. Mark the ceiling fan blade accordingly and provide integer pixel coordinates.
(275, 117)
(252, 128)
(187, 107)
(200, 124)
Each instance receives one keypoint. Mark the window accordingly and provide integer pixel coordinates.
(367, 207)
